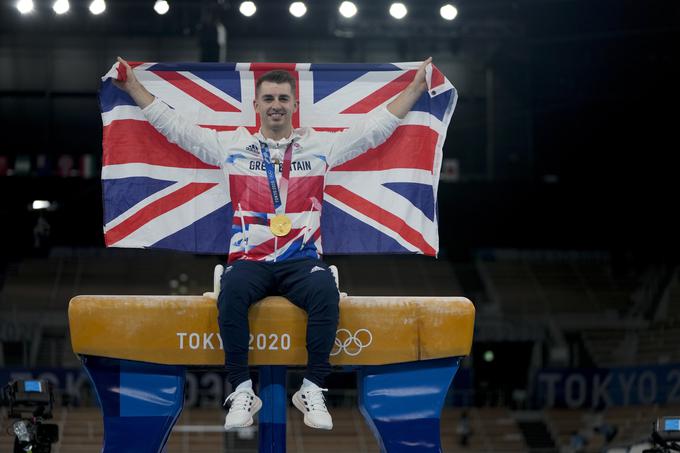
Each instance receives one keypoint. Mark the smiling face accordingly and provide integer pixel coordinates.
(275, 103)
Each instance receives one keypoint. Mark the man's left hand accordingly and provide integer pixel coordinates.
(419, 81)
(407, 98)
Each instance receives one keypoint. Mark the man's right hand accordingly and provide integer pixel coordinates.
(132, 86)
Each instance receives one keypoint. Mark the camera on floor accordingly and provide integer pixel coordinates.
(31, 403)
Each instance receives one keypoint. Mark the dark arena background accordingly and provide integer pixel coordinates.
(558, 207)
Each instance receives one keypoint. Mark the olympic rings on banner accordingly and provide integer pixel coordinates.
(351, 343)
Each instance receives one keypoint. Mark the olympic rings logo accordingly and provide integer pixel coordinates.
(351, 343)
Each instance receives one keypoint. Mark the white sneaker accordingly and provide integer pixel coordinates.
(243, 404)
(311, 402)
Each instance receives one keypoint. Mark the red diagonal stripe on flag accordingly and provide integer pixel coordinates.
(381, 216)
(153, 210)
(381, 95)
(196, 91)
(437, 77)
(133, 141)
(410, 146)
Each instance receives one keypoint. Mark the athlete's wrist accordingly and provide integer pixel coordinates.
(416, 88)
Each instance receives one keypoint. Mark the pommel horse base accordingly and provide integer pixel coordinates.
(136, 350)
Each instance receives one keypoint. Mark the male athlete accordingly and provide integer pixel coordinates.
(276, 179)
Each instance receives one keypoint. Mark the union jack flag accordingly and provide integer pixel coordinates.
(157, 195)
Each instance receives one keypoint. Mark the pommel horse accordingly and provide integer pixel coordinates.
(136, 350)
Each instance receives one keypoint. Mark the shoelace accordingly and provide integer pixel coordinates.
(316, 400)
(240, 399)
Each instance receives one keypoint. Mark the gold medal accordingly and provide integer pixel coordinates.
(280, 225)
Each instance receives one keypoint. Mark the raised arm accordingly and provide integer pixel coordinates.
(376, 127)
(199, 141)
(407, 98)
(132, 86)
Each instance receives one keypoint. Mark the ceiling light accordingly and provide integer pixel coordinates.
(297, 9)
(348, 9)
(40, 204)
(398, 10)
(25, 6)
(247, 8)
(97, 7)
(161, 7)
(61, 6)
(448, 11)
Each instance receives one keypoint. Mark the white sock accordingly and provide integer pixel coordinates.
(307, 383)
(245, 385)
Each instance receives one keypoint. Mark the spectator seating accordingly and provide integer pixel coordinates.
(535, 287)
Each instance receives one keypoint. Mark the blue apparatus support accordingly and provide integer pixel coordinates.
(140, 402)
(402, 403)
(272, 416)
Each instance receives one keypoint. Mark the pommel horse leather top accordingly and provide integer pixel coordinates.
(183, 330)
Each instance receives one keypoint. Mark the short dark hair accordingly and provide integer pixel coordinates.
(276, 76)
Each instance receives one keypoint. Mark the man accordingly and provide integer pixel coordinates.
(276, 179)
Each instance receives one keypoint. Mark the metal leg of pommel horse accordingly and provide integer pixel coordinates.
(402, 403)
(140, 402)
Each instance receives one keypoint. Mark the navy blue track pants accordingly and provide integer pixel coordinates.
(307, 283)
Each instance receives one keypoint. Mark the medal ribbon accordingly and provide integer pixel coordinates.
(279, 193)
